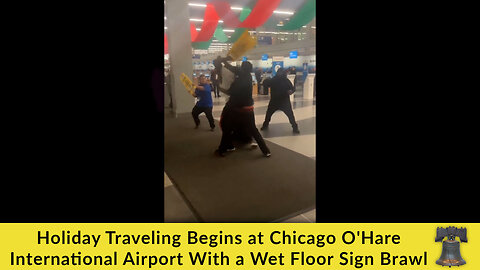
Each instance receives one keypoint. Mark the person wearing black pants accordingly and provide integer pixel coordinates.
(203, 92)
(239, 119)
(214, 79)
(282, 88)
(216, 76)
(238, 111)
(196, 111)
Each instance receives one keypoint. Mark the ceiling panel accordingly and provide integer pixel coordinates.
(270, 25)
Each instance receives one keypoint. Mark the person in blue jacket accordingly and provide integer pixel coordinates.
(203, 92)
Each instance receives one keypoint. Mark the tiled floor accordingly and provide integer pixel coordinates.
(279, 132)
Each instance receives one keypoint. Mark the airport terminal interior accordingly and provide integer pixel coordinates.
(244, 185)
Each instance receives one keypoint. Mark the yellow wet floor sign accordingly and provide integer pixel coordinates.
(242, 45)
(187, 83)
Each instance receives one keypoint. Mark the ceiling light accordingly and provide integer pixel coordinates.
(240, 8)
(314, 27)
(196, 20)
(228, 30)
(197, 5)
(283, 12)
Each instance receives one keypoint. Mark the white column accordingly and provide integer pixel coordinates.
(180, 52)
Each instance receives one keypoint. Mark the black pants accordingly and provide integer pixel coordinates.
(234, 119)
(216, 91)
(196, 111)
(283, 105)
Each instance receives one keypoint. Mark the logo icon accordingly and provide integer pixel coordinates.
(451, 247)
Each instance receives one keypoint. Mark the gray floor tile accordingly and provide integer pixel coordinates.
(310, 215)
(176, 210)
(297, 219)
(166, 181)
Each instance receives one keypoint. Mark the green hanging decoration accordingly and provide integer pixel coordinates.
(202, 45)
(302, 17)
(220, 35)
(239, 31)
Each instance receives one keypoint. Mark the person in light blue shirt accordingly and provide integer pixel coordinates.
(203, 92)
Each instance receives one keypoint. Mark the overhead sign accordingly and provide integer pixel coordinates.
(293, 54)
(263, 40)
(264, 57)
(244, 59)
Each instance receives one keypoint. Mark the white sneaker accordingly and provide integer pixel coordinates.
(254, 145)
(231, 149)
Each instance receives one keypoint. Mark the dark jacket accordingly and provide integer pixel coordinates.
(280, 85)
(241, 89)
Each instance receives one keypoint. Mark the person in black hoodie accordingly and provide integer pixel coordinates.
(238, 115)
(281, 89)
(216, 76)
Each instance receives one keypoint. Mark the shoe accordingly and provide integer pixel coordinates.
(212, 129)
(264, 128)
(254, 145)
(219, 154)
(296, 131)
(231, 149)
(267, 154)
(196, 126)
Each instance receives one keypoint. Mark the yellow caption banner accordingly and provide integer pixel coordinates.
(90, 246)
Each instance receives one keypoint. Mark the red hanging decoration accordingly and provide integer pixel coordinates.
(226, 13)
(165, 44)
(217, 9)
(260, 13)
(193, 32)
(210, 21)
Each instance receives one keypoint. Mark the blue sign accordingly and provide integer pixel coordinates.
(264, 57)
(244, 59)
(275, 66)
(293, 54)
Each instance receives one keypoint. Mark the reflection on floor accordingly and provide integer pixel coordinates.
(279, 132)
